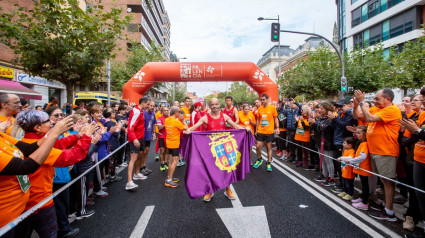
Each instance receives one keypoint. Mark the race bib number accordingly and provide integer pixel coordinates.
(300, 131)
(24, 182)
(247, 123)
(159, 123)
(356, 165)
(343, 164)
(227, 124)
(264, 123)
(281, 117)
(187, 121)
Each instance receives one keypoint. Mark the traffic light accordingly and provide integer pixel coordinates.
(275, 32)
(344, 84)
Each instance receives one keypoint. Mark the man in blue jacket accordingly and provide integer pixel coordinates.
(339, 124)
(294, 109)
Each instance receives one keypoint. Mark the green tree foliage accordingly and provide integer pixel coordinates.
(57, 40)
(239, 94)
(138, 56)
(318, 76)
(180, 95)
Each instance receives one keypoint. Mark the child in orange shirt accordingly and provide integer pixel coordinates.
(347, 171)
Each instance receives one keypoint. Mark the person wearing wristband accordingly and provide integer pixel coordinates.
(36, 124)
(14, 185)
(266, 122)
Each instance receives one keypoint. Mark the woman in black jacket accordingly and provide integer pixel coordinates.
(324, 134)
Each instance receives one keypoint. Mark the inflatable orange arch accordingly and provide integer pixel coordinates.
(155, 72)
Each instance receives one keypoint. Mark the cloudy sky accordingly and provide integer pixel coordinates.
(228, 30)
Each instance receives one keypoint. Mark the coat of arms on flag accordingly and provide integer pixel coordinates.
(224, 150)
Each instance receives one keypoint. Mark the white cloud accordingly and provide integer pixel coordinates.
(228, 30)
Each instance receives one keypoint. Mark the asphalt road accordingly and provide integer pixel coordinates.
(294, 205)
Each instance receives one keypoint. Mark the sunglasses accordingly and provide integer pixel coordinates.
(59, 115)
(48, 120)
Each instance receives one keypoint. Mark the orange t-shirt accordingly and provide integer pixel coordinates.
(244, 120)
(42, 179)
(365, 164)
(157, 115)
(419, 151)
(266, 116)
(3, 119)
(382, 135)
(173, 127)
(347, 171)
(186, 115)
(407, 133)
(12, 197)
(300, 133)
(362, 122)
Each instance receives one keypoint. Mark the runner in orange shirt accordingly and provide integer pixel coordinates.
(302, 136)
(173, 128)
(347, 171)
(267, 127)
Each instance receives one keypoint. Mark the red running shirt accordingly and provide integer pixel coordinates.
(231, 115)
(216, 124)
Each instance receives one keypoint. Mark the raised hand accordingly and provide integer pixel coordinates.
(5, 125)
(62, 126)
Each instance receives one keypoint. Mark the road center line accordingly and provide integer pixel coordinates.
(307, 184)
(142, 223)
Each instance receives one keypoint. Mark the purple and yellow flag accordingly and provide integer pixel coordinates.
(215, 159)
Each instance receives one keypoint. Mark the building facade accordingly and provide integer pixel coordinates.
(270, 60)
(363, 23)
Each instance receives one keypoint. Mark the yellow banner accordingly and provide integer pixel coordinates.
(6, 72)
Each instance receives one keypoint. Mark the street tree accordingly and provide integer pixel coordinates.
(58, 40)
(138, 56)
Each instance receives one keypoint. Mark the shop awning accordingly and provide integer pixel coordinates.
(18, 89)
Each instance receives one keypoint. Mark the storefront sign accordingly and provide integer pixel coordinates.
(25, 78)
(6, 72)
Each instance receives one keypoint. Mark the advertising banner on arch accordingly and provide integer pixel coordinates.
(215, 159)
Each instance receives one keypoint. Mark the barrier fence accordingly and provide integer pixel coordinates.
(27, 213)
(371, 172)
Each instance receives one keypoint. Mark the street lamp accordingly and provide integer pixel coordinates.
(278, 53)
(174, 84)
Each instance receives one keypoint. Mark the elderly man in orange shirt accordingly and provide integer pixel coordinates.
(382, 135)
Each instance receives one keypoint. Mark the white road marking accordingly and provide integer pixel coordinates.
(244, 221)
(307, 184)
(142, 223)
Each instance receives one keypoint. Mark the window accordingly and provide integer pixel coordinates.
(343, 25)
(358, 41)
(134, 8)
(366, 38)
(385, 30)
(356, 17)
(386, 53)
(375, 34)
(384, 5)
(364, 13)
(373, 8)
(392, 3)
(134, 27)
(403, 23)
(353, 1)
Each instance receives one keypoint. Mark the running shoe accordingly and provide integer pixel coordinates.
(336, 189)
(357, 200)
(149, 171)
(208, 197)
(342, 194)
(171, 184)
(101, 194)
(320, 178)
(88, 213)
(139, 176)
(182, 163)
(131, 186)
(347, 197)
(382, 215)
(258, 163)
(162, 167)
(115, 178)
(179, 163)
(376, 207)
(229, 194)
(166, 166)
(283, 157)
(124, 164)
(144, 172)
(176, 180)
(360, 206)
(309, 167)
(329, 182)
(269, 167)
(156, 157)
(279, 153)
